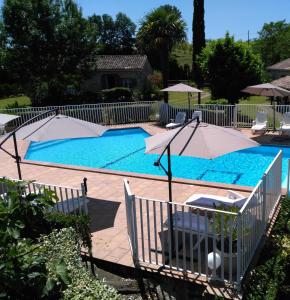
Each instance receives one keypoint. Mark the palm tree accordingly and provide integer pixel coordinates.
(160, 31)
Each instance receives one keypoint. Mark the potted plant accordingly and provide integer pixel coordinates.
(226, 227)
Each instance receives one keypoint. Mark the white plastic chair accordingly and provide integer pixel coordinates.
(285, 124)
(196, 113)
(179, 120)
(260, 123)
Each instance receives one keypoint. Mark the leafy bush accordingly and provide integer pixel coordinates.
(217, 101)
(47, 267)
(270, 279)
(228, 67)
(8, 89)
(117, 94)
(80, 223)
(61, 246)
(13, 105)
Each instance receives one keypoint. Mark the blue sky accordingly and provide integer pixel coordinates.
(236, 16)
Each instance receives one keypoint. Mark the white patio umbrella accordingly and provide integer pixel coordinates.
(58, 127)
(266, 89)
(6, 118)
(182, 88)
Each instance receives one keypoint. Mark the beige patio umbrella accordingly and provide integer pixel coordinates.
(266, 89)
(202, 141)
(197, 140)
(182, 88)
(58, 127)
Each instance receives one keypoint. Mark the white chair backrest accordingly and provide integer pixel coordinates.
(180, 117)
(2, 129)
(286, 118)
(261, 117)
(198, 114)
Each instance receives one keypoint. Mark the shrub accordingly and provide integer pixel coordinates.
(271, 276)
(13, 105)
(61, 246)
(8, 89)
(80, 223)
(228, 67)
(117, 94)
(50, 266)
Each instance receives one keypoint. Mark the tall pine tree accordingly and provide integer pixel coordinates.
(198, 38)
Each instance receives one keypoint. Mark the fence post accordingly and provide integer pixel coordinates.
(264, 204)
(84, 198)
(239, 250)
(274, 117)
(235, 115)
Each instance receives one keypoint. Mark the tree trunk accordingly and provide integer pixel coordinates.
(198, 39)
(164, 59)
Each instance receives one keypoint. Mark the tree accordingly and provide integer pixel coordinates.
(48, 46)
(160, 30)
(114, 37)
(228, 67)
(198, 38)
(273, 43)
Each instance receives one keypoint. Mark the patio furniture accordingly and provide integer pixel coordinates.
(179, 120)
(196, 113)
(192, 223)
(232, 199)
(285, 124)
(2, 129)
(260, 123)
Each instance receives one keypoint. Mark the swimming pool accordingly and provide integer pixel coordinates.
(123, 150)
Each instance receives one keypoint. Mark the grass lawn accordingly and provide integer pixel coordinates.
(180, 99)
(21, 100)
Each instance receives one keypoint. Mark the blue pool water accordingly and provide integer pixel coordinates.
(123, 150)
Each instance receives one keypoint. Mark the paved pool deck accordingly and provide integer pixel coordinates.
(107, 204)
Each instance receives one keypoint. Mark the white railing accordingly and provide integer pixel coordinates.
(221, 115)
(103, 113)
(239, 115)
(69, 200)
(230, 237)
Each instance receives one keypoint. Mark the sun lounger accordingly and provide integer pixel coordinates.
(198, 114)
(179, 120)
(285, 124)
(233, 199)
(260, 123)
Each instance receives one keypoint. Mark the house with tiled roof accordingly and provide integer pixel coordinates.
(280, 69)
(110, 71)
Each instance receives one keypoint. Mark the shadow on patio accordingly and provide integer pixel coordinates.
(102, 213)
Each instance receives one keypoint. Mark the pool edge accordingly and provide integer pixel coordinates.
(141, 176)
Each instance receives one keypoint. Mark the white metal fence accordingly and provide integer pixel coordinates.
(231, 236)
(104, 113)
(69, 200)
(239, 115)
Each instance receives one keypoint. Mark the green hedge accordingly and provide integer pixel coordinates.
(61, 246)
(270, 278)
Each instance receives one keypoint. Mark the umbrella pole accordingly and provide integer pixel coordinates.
(17, 157)
(169, 174)
(188, 98)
